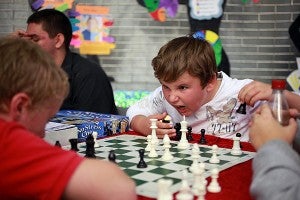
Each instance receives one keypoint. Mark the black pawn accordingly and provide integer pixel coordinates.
(189, 134)
(112, 156)
(142, 163)
(57, 143)
(202, 137)
(90, 148)
(74, 142)
(242, 109)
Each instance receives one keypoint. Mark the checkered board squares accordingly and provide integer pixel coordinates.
(127, 157)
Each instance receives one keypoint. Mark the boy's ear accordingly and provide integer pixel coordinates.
(18, 105)
(59, 40)
(212, 84)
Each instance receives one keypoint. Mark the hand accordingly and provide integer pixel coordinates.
(163, 128)
(264, 127)
(254, 92)
(21, 34)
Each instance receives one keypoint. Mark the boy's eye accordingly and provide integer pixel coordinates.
(182, 87)
(165, 87)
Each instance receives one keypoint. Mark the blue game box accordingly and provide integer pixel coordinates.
(88, 122)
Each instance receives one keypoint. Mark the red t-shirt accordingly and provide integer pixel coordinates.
(30, 168)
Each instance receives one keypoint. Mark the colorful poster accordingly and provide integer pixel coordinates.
(92, 30)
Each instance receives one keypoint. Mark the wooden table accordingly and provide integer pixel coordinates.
(235, 181)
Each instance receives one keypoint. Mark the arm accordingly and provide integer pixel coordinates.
(259, 91)
(276, 165)
(94, 179)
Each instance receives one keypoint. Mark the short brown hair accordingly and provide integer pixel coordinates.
(25, 67)
(196, 56)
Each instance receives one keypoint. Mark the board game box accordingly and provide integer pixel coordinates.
(89, 122)
(126, 148)
(60, 132)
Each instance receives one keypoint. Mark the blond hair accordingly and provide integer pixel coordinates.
(25, 67)
(185, 54)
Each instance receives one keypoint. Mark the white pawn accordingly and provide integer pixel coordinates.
(167, 156)
(164, 189)
(153, 153)
(194, 166)
(214, 186)
(199, 185)
(236, 148)
(185, 192)
(148, 147)
(214, 158)
(95, 134)
(153, 130)
(195, 151)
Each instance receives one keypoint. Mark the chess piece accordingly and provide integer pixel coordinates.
(167, 119)
(195, 151)
(202, 137)
(164, 192)
(148, 147)
(236, 147)
(112, 156)
(95, 134)
(177, 127)
(199, 185)
(242, 109)
(74, 142)
(57, 143)
(142, 163)
(90, 149)
(153, 153)
(214, 186)
(185, 192)
(153, 130)
(189, 134)
(183, 143)
(214, 158)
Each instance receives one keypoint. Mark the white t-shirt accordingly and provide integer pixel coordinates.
(218, 116)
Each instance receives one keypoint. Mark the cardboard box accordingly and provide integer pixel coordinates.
(60, 132)
(89, 122)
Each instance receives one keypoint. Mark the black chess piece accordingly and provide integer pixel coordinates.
(202, 137)
(57, 143)
(242, 109)
(142, 163)
(74, 142)
(90, 148)
(112, 156)
(189, 136)
(177, 127)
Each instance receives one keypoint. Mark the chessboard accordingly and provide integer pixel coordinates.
(126, 148)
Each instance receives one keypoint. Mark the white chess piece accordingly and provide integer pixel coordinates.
(148, 147)
(199, 185)
(185, 192)
(214, 186)
(164, 189)
(153, 130)
(195, 151)
(95, 134)
(236, 148)
(153, 153)
(183, 143)
(214, 158)
(167, 156)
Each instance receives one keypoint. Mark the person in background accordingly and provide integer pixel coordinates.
(192, 88)
(294, 31)
(90, 88)
(276, 166)
(32, 90)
